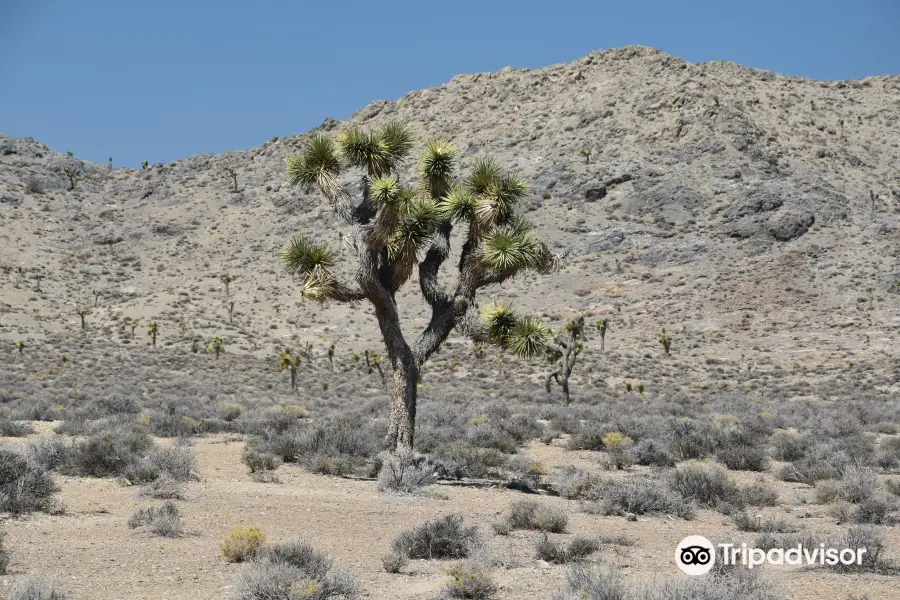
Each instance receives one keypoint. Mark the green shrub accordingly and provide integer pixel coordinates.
(110, 453)
(470, 581)
(164, 520)
(705, 483)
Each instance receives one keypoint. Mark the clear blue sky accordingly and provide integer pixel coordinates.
(166, 79)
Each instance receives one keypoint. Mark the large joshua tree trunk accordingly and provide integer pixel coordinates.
(402, 427)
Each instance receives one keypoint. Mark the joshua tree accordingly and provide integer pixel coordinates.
(37, 282)
(145, 165)
(872, 198)
(153, 331)
(109, 166)
(195, 345)
(396, 229)
(82, 312)
(665, 340)
(602, 325)
(586, 153)
(97, 294)
(373, 362)
(287, 361)
(183, 328)
(231, 173)
(73, 172)
(217, 347)
(226, 281)
(568, 345)
(331, 357)
(134, 325)
(20, 346)
(231, 312)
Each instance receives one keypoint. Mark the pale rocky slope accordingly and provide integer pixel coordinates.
(744, 221)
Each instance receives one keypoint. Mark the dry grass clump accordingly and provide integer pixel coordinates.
(242, 543)
(470, 581)
(294, 571)
(529, 514)
(37, 588)
(164, 520)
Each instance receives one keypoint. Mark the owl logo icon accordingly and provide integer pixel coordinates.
(695, 555)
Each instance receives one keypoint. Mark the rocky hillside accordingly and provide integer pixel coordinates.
(755, 215)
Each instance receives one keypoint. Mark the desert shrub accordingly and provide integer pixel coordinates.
(594, 583)
(471, 581)
(109, 453)
(331, 446)
(742, 447)
(33, 186)
(49, 452)
(523, 473)
(888, 455)
(858, 484)
(590, 437)
(893, 486)
(164, 520)
(789, 446)
(446, 537)
(745, 521)
(460, 460)
(4, 554)
(826, 491)
(757, 494)
(500, 527)
(706, 483)
(36, 588)
(404, 472)
(573, 483)
(652, 452)
(178, 462)
(730, 584)
(259, 462)
(24, 487)
(529, 514)
(556, 552)
(692, 439)
(868, 537)
(294, 571)
(242, 543)
(877, 509)
(394, 562)
(14, 428)
(163, 488)
(638, 496)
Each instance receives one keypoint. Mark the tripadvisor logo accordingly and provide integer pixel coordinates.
(696, 555)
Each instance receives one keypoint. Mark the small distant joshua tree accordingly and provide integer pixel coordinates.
(217, 347)
(331, 357)
(20, 346)
(73, 172)
(602, 326)
(109, 166)
(373, 362)
(37, 282)
(133, 325)
(97, 294)
(566, 347)
(231, 312)
(288, 361)
(153, 331)
(873, 199)
(226, 281)
(665, 340)
(195, 344)
(145, 165)
(586, 153)
(231, 173)
(70, 154)
(182, 327)
(82, 312)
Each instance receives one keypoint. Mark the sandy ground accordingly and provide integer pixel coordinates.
(93, 552)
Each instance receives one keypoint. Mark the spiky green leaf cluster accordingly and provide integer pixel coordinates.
(436, 168)
(317, 165)
(524, 336)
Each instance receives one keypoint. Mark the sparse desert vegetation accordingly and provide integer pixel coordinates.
(720, 355)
